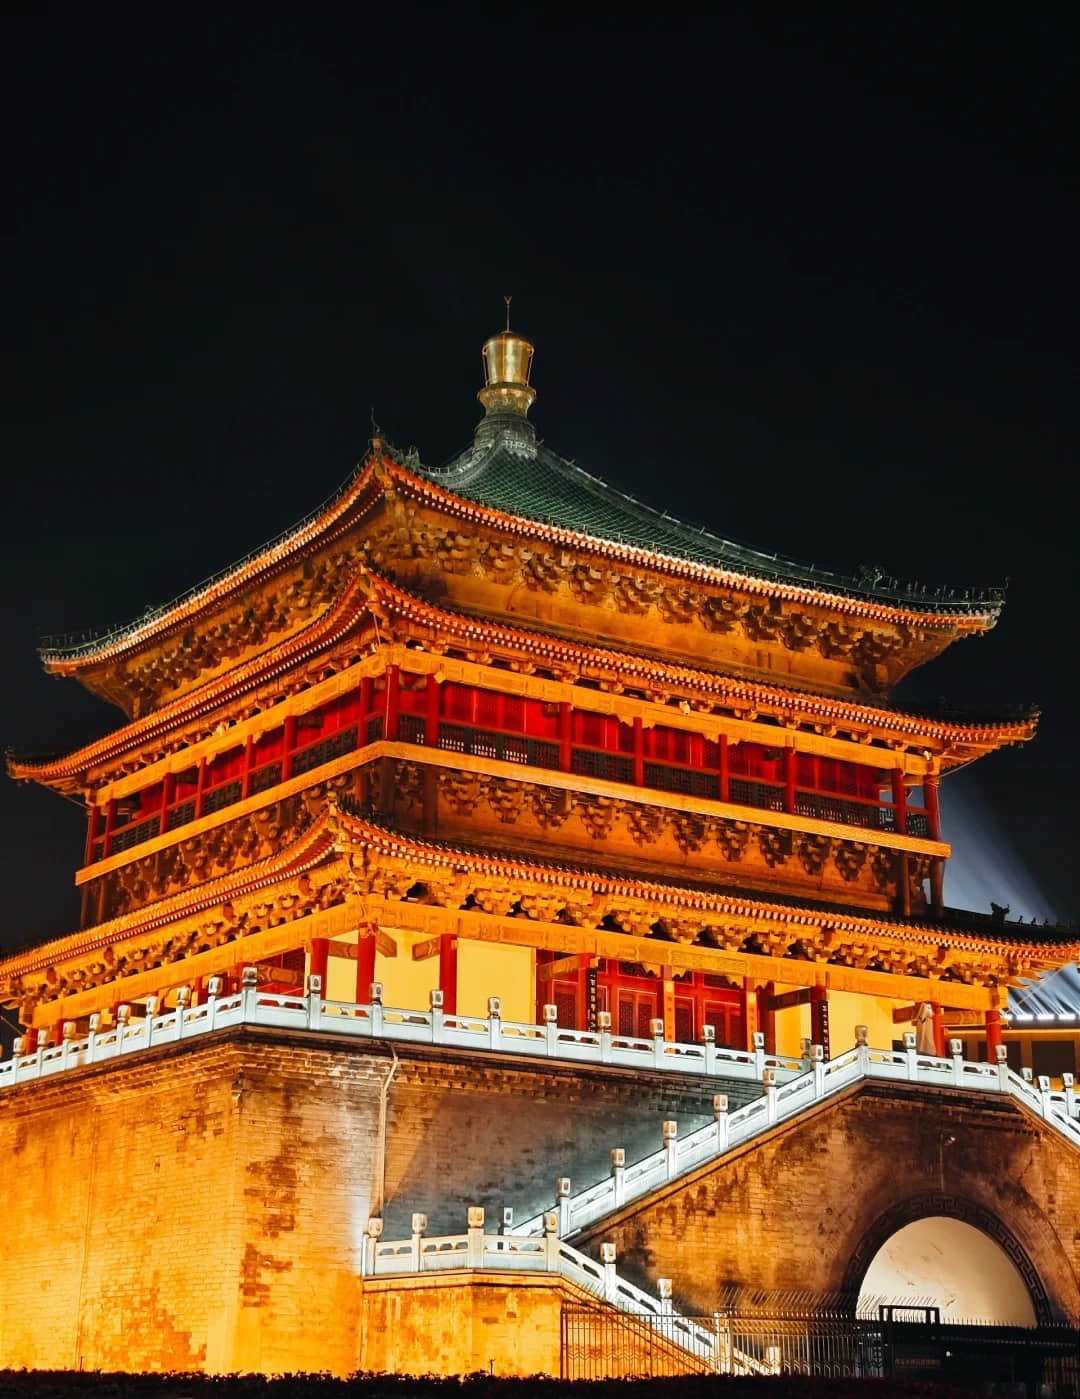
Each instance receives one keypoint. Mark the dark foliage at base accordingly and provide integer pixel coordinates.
(61, 1384)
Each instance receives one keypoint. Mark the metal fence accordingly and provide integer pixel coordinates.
(897, 1342)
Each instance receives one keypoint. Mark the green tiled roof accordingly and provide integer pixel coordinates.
(531, 481)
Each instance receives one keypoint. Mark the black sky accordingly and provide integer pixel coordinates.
(811, 285)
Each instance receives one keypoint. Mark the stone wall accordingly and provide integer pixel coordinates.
(807, 1207)
(202, 1206)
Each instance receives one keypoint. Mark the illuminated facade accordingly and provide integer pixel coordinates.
(500, 731)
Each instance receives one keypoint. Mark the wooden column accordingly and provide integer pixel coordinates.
(168, 795)
(288, 743)
(110, 822)
(725, 773)
(667, 1002)
(899, 796)
(367, 687)
(819, 1018)
(249, 763)
(903, 881)
(393, 700)
(937, 884)
(320, 960)
(431, 719)
(750, 1010)
(933, 805)
(767, 1015)
(566, 736)
(993, 1034)
(200, 788)
(91, 832)
(791, 770)
(448, 973)
(365, 963)
(939, 1029)
(639, 752)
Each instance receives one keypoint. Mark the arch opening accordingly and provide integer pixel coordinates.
(944, 1262)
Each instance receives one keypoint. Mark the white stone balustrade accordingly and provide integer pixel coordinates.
(788, 1085)
(376, 1021)
(782, 1102)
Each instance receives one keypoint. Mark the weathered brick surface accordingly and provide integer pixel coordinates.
(808, 1207)
(203, 1206)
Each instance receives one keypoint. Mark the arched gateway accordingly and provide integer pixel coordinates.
(467, 838)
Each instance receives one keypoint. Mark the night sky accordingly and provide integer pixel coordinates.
(811, 286)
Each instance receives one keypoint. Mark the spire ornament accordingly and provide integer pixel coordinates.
(507, 394)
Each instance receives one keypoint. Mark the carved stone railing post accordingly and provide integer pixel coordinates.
(314, 1001)
(759, 1054)
(669, 1132)
(1026, 1074)
(551, 1241)
(1046, 1099)
(123, 1021)
(911, 1054)
(213, 991)
(495, 1022)
(862, 1048)
(1001, 1055)
(720, 1121)
(607, 1258)
(419, 1229)
(768, 1083)
(69, 1037)
(437, 999)
(551, 1030)
(475, 1256)
(956, 1050)
(376, 1008)
(618, 1174)
(663, 1291)
(603, 1024)
(804, 1051)
(562, 1204)
(817, 1063)
(183, 995)
(151, 1015)
(94, 1024)
(249, 982)
(708, 1039)
(656, 1029)
(506, 1224)
(1067, 1082)
(372, 1235)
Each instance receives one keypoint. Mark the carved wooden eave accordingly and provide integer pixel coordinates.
(212, 913)
(405, 618)
(860, 643)
(393, 862)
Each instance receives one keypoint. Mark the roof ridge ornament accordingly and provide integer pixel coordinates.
(507, 394)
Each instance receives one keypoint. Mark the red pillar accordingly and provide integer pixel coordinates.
(110, 822)
(750, 1010)
(168, 796)
(431, 722)
(819, 1017)
(639, 752)
(200, 788)
(791, 770)
(91, 832)
(288, 743)
(566, 736)
(320, 958)
(249, 763)
(939, 1029)
(933, 806)
(993, 1034)
(725, 775)
(367, 687)
(899, 796)
(365, 965)
(393, 701)
(448, 973)
(766, 1015)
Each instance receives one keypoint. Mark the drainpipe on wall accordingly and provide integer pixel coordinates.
(378, 1189)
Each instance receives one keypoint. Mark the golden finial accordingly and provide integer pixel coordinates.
(507, 365)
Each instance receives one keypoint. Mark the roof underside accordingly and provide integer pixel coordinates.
(530, 481)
